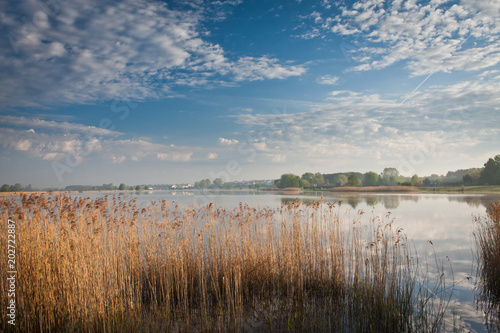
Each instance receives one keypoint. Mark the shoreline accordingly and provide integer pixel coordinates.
(485, 189)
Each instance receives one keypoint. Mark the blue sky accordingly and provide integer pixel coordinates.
(155, 92)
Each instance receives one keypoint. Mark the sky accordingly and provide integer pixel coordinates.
(165, 92)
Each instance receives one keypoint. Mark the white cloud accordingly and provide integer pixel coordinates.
(22, 145)
(52, 156)
(442, 121)
(117, 159)
(212, 156)
(93, 50)
(175, 157)
(431, 37)
(279, 158)
(251, 69)
(328, 79)
(227, 142)
(137, 150)
(261, 146)
(33, 123)
(80, 146)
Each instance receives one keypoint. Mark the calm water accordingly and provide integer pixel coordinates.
(438, 225)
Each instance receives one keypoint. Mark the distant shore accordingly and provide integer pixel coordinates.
(67, 192)
(485, 189)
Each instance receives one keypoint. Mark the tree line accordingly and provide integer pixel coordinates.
(106, 187)
(390, 176)
(15, 188)
(217, 183)
(488, 175)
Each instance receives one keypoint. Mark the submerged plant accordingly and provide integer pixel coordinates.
(111, 264)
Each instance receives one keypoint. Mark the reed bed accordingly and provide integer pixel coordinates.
(488, 240)
(112, 265)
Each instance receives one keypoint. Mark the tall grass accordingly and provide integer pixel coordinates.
(488, 239)
(111, 264)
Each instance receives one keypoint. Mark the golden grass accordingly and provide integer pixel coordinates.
(110, 264)
(488, 240)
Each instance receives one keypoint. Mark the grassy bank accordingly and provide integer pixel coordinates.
(463, 189)
(110, 264)
(376, 189)
(413, 189)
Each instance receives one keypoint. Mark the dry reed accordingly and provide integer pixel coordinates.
(488, 240)
(110, 264)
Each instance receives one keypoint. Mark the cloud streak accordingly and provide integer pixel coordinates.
(66, 127)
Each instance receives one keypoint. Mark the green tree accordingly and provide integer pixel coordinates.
(353, 180)
(138, 188)
(228, 185)
(472, 176)
(491, 172)
(415, 180)
(370, 179)
(426, 182)
(435, 179)
(318, 179)
(313, 179)
(15, 188)
(341, 180)
(4, 188)
(218, 182)
(309, 176)
(289, 180)
(205, 183)
(122, 187)
(390, 177)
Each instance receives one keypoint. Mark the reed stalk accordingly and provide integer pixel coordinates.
(110, 264)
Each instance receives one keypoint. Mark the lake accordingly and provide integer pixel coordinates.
(439, 226)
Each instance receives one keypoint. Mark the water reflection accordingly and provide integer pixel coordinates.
(371, 201)
(392, 201)
(354, 200)
(474, 201)
(306, 200)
